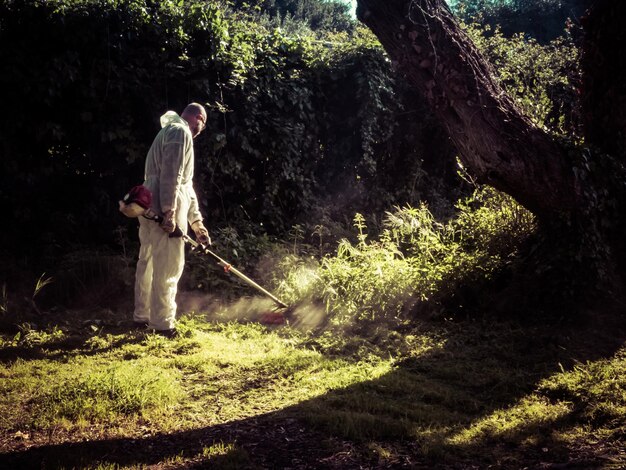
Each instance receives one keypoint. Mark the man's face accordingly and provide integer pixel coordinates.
(198, 125)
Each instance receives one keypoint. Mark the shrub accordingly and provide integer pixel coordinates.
(417, 259)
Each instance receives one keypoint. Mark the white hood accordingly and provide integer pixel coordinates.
(171, 117)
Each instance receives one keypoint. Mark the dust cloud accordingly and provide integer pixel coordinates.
(303, 316)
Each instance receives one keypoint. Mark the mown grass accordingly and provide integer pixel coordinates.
(451, 394)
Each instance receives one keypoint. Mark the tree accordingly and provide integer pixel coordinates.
(564, 185)
(496, 141)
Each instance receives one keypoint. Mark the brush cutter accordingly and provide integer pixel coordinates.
(276, 316)
(229, 268)
(137, 202)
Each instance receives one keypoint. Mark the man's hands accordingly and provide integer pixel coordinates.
(168, 224)
(202, 234)
(169, 221)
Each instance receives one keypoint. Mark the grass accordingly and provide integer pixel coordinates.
(442, 394)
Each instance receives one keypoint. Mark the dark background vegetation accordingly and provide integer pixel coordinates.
(308, 122)
(544, 20)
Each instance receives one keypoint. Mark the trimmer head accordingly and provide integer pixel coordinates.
(274, 317)
(277, 316)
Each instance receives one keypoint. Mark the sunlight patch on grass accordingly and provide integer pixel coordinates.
(524, 418)
(217, 449)
(30, 335)
(222, 455)
(597, 389)
(329, 375)
(566, 406)
(94, 394)
(244, 371)
(111, 466)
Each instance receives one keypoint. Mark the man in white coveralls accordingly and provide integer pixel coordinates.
(168, 175)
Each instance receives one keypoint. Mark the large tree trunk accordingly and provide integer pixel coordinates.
(497, 143)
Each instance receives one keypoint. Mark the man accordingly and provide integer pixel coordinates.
(168, 175)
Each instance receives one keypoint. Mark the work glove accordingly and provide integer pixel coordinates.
(168, 224)
(202, 234)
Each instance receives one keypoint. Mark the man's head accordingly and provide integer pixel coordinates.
(195, 115)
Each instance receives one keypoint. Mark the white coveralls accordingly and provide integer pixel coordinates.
(168, 175)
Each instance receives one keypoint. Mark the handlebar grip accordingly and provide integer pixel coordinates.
(177, 233)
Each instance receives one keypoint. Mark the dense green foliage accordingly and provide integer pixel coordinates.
(544, 80)
(296, 124)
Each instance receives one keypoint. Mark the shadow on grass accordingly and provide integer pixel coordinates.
(66, 347)
(79, 330)
(415, 416)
